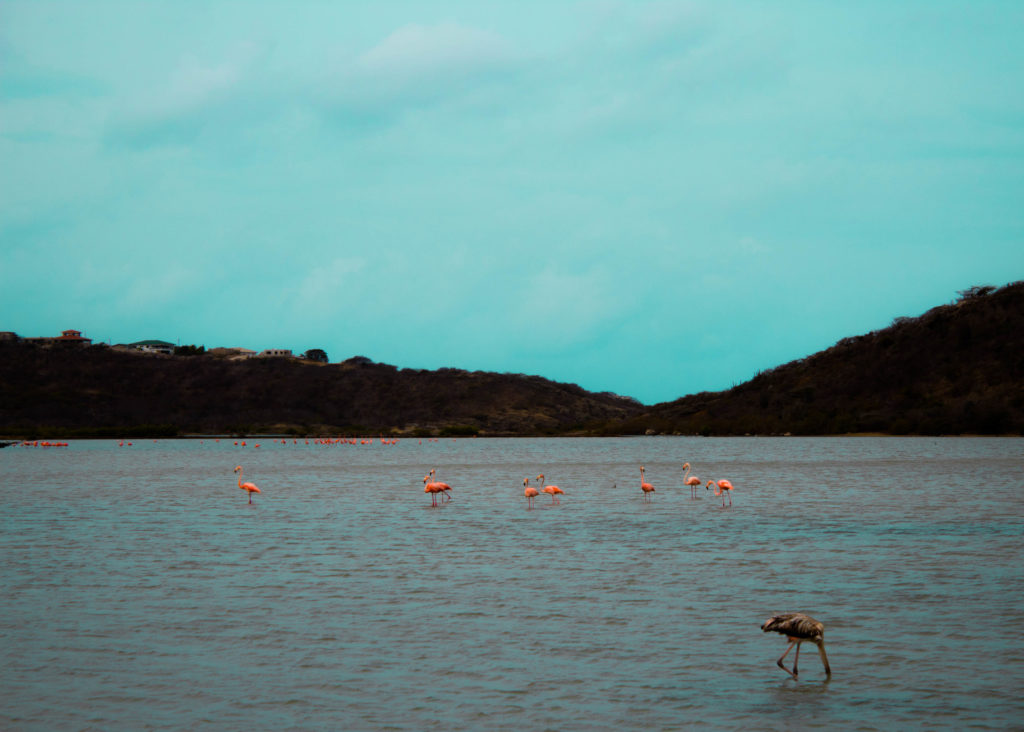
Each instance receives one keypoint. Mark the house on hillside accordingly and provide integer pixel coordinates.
(231, 354)
(154, 346)
(276, 353)
(73, 337)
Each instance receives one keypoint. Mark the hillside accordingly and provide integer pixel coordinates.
(957, 369)
(75, 390)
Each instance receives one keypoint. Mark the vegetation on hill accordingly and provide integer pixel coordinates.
(957, 369)
(104, 391)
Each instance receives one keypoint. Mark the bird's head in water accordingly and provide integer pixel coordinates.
(237, 468)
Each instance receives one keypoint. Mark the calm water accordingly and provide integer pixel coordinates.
(141, 591)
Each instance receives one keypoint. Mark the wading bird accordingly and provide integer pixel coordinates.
(445, 488)
(798, 628)
(551, 490)
(647, 488)
(721, 488)
(431, 487)
(693, 482)
(530, 492)
(250, 487)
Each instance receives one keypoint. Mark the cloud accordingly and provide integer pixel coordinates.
(197, 95)
(417, 66)
(159, 289)
(560, 309)
(417, 52)
(327, 288)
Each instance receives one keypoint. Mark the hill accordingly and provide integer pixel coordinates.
(957, 369)
(96, 390)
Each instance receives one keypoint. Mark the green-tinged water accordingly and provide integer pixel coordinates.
(140, 590)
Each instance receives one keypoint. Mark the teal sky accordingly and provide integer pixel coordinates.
(650, 198)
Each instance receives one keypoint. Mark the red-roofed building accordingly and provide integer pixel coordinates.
(66, 336)
(73, 336)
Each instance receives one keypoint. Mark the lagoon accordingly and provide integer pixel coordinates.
(140, 590)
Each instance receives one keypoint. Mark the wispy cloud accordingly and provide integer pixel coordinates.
(413, 53)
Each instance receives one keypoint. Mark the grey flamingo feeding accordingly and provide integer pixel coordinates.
(798, 628)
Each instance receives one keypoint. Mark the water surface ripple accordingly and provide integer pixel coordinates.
(140, 590)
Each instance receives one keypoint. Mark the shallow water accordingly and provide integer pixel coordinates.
(140, 590)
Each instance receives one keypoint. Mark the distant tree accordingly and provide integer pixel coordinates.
(189, 350)
(315, 354)
(975, 292)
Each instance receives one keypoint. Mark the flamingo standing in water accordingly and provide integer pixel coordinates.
(693, 481)
(250, 487)
(445, 489)
(551, 490)
(647, 488)
(530, 492)
(722, 487)
(429, 486)
(798, 628)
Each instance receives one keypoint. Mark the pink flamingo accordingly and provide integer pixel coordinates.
(721, 488)
(445, 488)
(432, 488)
(530, 492)
(250, 487)
(552, 490)
(647, 488)
(693, 482)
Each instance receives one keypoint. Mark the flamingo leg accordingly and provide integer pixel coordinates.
(783, 656)
(824, 660)
(796, 660)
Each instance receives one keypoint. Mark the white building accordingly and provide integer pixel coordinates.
(276, 353)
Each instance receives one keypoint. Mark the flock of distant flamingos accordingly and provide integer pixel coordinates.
(797, 627)
(436, 488)
(722, 487)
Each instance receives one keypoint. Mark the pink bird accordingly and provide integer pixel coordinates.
(530, 492)
(551, 490)
(445, 488)
(250, 487)
(647, 488)
(432, 488)
(693, 481)
(721, 488)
